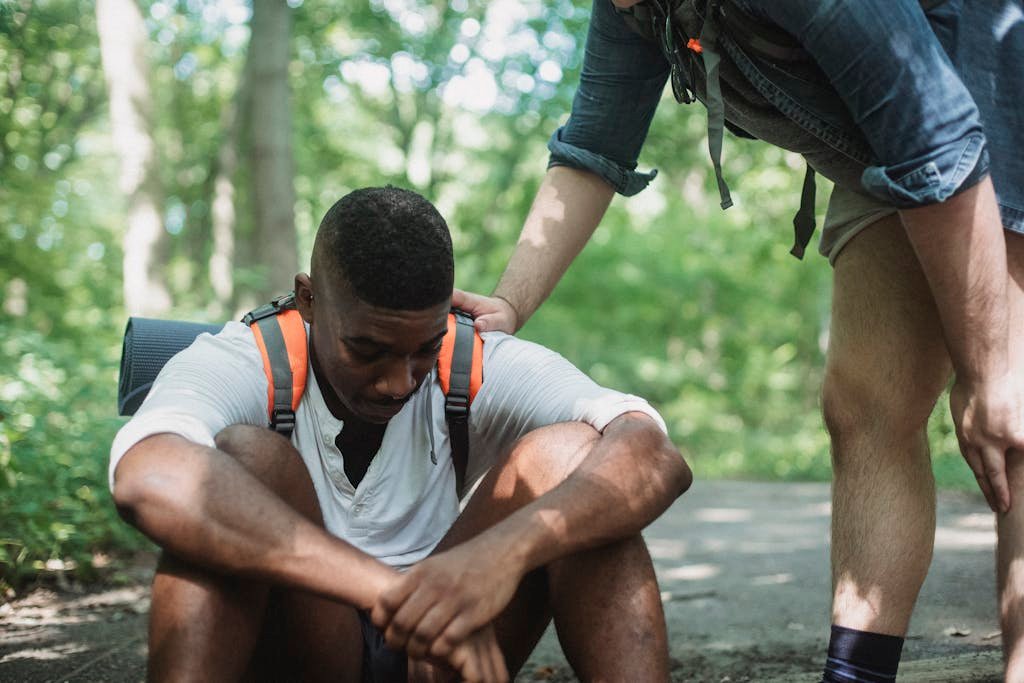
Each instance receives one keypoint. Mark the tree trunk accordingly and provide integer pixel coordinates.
(123, 38)
(272, 192)
(223, 213)
(222, 251)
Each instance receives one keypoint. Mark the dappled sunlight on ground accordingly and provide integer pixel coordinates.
(772, 579)
(744, 573)
(773, 546)
(690, 572)
(61, 651)
(962, 532)
(76, 635)
(722, 515)
(975, 520)
(814, 510)
(665, 549)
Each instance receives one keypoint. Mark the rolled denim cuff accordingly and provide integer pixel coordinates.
(625, 181)
(930, 179)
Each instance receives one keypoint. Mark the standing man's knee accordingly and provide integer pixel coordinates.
(859, 402)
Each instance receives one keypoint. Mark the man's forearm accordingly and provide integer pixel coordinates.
(632, 474)
(567, 209)
(202, 505)
(599, 490)
(962, 250)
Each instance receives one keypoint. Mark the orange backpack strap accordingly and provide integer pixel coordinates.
(281, 339)
(460, 371)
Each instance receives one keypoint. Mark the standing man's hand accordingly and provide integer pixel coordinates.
(436, 605)
(962, 250)
(989, 420)
(491, 312)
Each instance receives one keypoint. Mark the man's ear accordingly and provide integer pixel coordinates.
(304, 296)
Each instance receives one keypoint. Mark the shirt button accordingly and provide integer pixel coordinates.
(357, 508)
(327, 439)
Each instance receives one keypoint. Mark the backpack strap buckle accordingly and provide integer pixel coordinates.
(284, 302)
(456, 405)
(282, 421)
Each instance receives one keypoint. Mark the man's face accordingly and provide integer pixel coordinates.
(369, 360)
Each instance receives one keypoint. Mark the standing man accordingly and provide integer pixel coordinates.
(913, 110)
(279, 552)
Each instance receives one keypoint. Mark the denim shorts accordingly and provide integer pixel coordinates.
(927, 103)
(987, 49)
(985, 42)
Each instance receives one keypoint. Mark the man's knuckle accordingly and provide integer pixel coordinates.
(458, 634)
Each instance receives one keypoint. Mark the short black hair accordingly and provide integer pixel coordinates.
(391, 245)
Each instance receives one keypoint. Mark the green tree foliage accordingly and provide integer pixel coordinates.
(700, 310)
(60, 318)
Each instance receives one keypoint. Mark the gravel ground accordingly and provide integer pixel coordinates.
(744, 572)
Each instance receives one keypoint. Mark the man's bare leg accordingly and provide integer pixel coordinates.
(608, 613)
(1010, 573)
(206, 626)
(887, 365)
(605, 601)
(1010, 552)
(202, 626)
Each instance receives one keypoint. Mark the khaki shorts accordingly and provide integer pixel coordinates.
(848, 213)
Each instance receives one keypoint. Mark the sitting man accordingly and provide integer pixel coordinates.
(278, 554)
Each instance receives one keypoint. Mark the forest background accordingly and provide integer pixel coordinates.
(172, 158)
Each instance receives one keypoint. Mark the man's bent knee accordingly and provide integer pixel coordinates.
(247, 441)
(545, 457)
(273, 460)
(262, 451)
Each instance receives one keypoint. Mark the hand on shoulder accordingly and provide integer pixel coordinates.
(492, 313)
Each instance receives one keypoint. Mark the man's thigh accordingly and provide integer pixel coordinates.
(308, 638)
(887, 361)
(304, 636)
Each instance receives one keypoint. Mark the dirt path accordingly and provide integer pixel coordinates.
(744, 573)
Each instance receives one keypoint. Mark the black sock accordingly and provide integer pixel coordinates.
(861, 657)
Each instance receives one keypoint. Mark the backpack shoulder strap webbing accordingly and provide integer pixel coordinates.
(460, 371)
(280, 336)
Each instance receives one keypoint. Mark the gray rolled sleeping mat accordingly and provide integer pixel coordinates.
(148, 345)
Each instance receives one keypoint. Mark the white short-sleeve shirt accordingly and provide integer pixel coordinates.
(406, 502)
